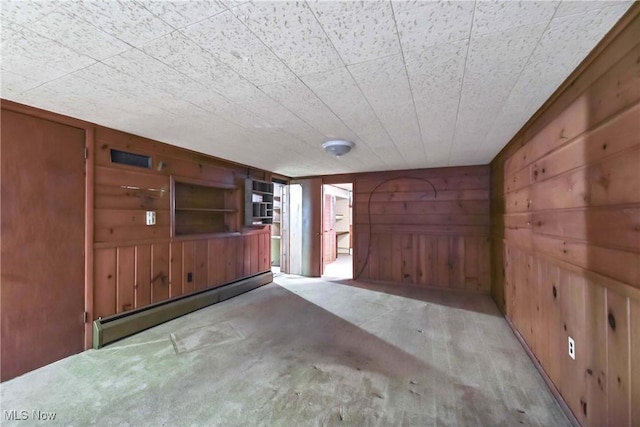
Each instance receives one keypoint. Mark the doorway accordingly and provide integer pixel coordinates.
(337, 231)
(301, 228)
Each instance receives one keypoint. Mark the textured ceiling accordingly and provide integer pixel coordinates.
(413, 83)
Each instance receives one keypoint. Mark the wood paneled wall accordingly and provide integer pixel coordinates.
(407, 235)
(137, 265)
(565, 230)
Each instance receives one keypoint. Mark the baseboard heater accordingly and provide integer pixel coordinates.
(109, 329)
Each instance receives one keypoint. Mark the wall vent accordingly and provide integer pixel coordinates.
(130, 159)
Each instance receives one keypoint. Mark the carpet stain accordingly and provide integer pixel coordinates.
(205, 336)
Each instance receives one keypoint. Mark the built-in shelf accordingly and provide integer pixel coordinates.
(201, 207)
(258, 202)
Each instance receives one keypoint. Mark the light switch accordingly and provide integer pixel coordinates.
(151, 218)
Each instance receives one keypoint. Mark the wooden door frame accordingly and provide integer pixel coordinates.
(347, 178)
(89, 131)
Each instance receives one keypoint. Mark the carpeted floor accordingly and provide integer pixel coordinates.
(302, 352)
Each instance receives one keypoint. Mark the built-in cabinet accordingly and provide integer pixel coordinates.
(198, 241)
(258, 202)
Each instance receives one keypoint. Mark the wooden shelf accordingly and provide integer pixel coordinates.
(200, 207)
(258, 202)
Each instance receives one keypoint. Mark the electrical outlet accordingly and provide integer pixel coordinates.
(572, 348)
(151, 218)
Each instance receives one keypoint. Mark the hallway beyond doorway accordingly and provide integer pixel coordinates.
(341, 268)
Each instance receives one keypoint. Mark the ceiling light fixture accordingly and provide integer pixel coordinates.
(338, 147)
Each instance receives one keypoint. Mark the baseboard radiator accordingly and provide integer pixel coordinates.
(109, 329)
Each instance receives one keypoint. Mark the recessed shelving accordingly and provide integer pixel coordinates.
(258, 202)
(203, 207)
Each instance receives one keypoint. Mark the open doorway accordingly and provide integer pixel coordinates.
(337, 231)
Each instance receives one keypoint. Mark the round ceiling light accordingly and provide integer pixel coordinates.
(338, 147)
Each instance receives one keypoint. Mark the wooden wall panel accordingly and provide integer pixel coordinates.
(239, 257)
(175, 270)
(159, 272)
(420, 239)
(254, 245)
(572, 302)
(565, 198)
(126, 268)
(618, 378)
(634, 356)
(105, 274)
(188, 267)
(595, 402)
(230, 258)
(143, 275)
(140, 264)
(202, 265)
(248, 248)
(217, 258)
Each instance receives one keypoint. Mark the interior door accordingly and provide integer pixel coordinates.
(329, 247)
(302, 228)
(42, 248)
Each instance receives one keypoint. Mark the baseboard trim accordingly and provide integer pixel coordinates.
(116, 327)
(552, 387)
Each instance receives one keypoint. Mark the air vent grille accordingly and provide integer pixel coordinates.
(130, 159)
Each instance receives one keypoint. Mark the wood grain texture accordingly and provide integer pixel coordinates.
(565, 198)
(143, 275)
(159, 272)
(105, 274)
(618, 378)
(119, 256)
(152, 264)
(42, 245)
(634, 356)
(413, 235)
(188, 267)
(126, 268)
(175, 270)
(217, 260)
